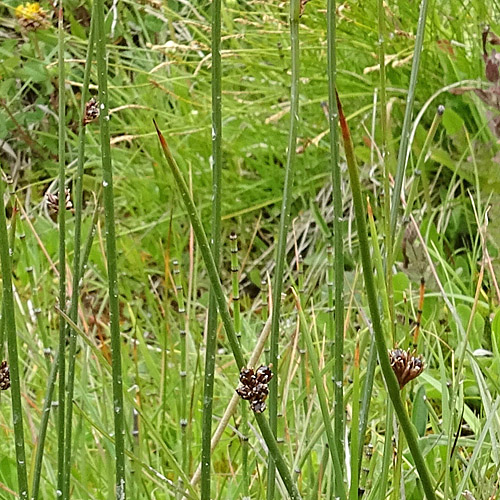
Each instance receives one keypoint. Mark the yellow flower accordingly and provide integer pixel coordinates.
(31, 16)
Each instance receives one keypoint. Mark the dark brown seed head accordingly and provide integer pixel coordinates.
(264, 374)
(4, 376)
(260, 392)
(245, 392)
(406, 367)
(91, 111)
(247, 376)
(258, 406)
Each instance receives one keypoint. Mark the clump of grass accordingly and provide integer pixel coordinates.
(8, 312)
(152, 70)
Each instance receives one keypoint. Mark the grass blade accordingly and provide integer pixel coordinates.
(227, 321)
(389, 377)
(338, 221)
(73, 314)
(109, 211)
(61, 217)
(283, 231)
(10, 330)
(211, 336)
(405, 132)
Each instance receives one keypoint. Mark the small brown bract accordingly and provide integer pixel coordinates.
(4, 376)
(405, 366)
(92, 111)
(253, 386)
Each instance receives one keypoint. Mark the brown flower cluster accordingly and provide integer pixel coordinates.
(91, 111)
(53, 201)
(4, 376)
(405, 365)
(253, 386)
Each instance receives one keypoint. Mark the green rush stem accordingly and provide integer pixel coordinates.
(109, 211)
(379, 265)
(40, 318)
(283, 232)
(233, 238)
(235, 283)
(320, 389)
(385, 152)
(213, 275)
(8, 312)
(389, 376)
(2, 322)
(405, 132)
(338, 220)
(398, 466)
(356, 457)
(75, 292)
(388, 452)
(420, 167)
(47, 403)
(211, 335)
(420, 170)
(90, 237)
(12, 240)
(331, 297)
(61, 445)
(183, 370)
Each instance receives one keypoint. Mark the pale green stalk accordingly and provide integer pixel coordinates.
(211, 334)
(283, 233)
(420, 170)
(237, 327)
(320, 389)
(338, 220)
(11, 334)
(61, 446)
(356, 457)
(388, 451)
(47, 403)
(405, 132)
(183, 371)
(109, 211)
(385, 152)
(372, 296)
(213, 275)
(75, 293)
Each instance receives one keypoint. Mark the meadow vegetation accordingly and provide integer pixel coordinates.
(226, 211)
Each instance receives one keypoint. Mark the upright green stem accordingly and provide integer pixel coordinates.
(109, 210)
(388, 452)
(356, 457)
(405, 132)
(61, 447)
(283, 232)
(320, 389)
(211, 336)
(420, 170)
(47, 402)
(10, 330)
(388, 238)
(389, 376)
(338, 220)
(233, 237)
(423, 154)
(75, 293)
(213, 275)
(183, 372)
